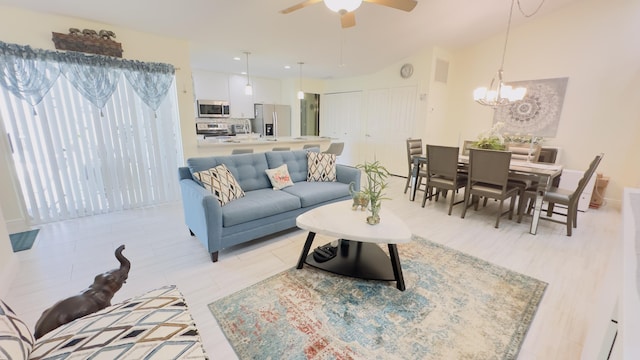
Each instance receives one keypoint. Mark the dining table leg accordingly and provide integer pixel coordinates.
(543, 184)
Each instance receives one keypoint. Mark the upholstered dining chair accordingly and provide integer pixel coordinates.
(241, 151)
(443, 174)
(557, 196)
(489, 178)
(335, 148)
(524, 151)
(414, 148)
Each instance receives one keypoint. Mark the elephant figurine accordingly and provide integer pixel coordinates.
(360, 199)
(96, 297)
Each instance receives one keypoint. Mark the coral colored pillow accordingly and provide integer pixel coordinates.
(279, 177)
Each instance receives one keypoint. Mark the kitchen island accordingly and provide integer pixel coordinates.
(224, 145)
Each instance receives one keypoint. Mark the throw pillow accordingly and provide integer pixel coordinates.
(16, 341)
(220, 181)
(155, 325)
(279, 177)
(321, 167)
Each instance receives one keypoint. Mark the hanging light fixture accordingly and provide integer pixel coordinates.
(248, 90)
(300, 92)
(340, 6)
(498, 93)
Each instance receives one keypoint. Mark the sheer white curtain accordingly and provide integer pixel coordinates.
(74, 159)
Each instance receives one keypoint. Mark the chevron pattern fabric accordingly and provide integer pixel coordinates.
(156, 325)
(321, 167)
(16, 340)
(221, 182)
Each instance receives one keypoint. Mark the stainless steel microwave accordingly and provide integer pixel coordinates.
(212, 108)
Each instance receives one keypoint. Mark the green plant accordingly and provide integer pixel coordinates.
(377, 176)
(491, 139)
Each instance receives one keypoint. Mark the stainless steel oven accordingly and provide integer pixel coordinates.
(210, 128)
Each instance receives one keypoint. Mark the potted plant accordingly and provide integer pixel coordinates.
(491, 139)
(376, 184)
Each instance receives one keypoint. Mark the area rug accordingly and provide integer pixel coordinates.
(23, 240)
(455, 306)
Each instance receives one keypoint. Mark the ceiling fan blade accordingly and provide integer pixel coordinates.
(405, 5)
(299, 6)
(348, 20)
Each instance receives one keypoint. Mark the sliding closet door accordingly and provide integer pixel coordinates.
(341, 120)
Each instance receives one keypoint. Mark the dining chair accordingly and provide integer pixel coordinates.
(524, 151)
(556, 196)
(414, 147)
(466, 146)
(335, 148)
(443, 174)
(241, 151)
(489, 178)
(309, 146)
(281, 149)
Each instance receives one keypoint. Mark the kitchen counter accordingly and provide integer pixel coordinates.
(223, 145)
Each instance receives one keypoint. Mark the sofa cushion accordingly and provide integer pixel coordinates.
(313, 193)
(248, 169)
(321, 167)
(258, 204)
(296, 162)
(156, 325)
(16, 340)
(221, 183)
(279, 177)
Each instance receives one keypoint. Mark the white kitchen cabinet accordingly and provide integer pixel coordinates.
(210, 85)
(240, 104)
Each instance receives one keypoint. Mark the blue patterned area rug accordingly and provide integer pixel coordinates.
(23, 240)
(455, 307)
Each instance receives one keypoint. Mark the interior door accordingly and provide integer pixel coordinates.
(341, 120)
(390, 121)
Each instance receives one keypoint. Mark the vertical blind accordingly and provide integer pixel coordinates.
(76, 157)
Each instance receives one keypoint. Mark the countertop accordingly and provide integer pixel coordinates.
(234, 141)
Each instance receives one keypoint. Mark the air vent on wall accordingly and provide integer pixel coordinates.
(442, 71)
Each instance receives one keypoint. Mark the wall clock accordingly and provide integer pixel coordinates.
(406, 71)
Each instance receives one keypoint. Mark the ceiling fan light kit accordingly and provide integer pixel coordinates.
(346, 7)
(340, 6)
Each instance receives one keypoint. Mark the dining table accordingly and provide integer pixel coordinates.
(544, 173)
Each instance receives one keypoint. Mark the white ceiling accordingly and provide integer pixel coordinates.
(218, 30)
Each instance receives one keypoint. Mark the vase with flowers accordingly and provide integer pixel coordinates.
(491, 139)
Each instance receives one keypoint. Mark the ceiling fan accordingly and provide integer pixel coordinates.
(346, 7)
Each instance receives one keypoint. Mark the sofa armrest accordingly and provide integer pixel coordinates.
(346, 174)
(202, 213)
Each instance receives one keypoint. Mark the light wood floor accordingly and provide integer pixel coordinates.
(67, 255)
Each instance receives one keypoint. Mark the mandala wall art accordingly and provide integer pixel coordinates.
(539, 112)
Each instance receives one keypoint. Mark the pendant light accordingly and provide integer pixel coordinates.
(248, 90)
(300, 92)
(499, 94)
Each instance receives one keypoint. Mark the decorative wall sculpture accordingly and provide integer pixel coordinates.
(88, 41)
(538, 114)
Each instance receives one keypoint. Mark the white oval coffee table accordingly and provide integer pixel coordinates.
(358, 253)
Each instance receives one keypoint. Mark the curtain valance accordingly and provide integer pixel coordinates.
(30, 73)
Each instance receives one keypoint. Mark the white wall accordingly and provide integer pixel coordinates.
(595, 44)
(8, 260)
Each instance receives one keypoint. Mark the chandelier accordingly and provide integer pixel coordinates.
(499, 94)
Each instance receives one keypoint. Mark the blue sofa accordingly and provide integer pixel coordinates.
(262, 211)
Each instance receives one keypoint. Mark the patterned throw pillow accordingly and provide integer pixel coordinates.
(321, 167)
(279, 177)
(16, 341)
(155, 325)
(220, 181)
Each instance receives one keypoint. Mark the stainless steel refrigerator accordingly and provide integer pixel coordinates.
(272, 120)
